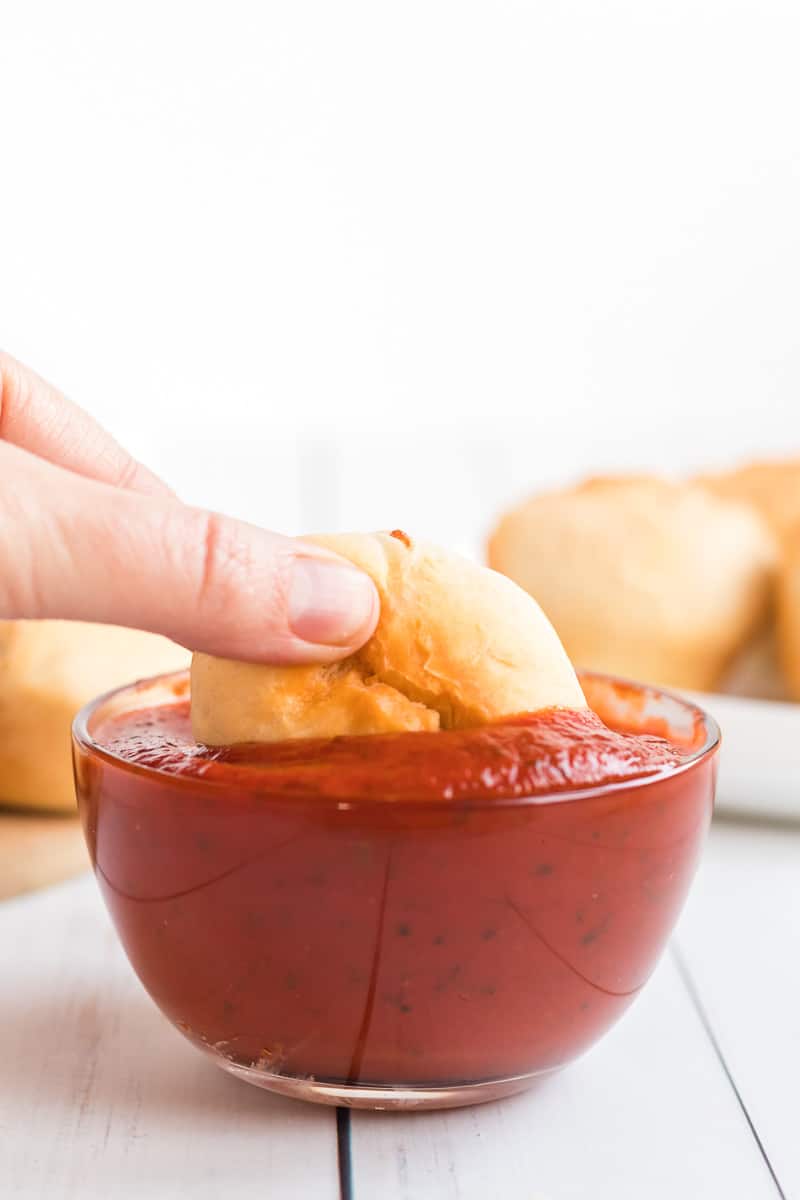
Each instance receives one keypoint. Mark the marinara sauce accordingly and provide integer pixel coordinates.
(423, 908)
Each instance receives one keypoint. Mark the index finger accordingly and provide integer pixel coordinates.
(36, 417)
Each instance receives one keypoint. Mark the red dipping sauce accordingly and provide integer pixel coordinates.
(436, 916)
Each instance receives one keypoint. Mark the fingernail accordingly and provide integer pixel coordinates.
(330, 603)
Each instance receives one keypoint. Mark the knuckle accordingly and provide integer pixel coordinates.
(226, 564)
(241, 583)
(127, 473)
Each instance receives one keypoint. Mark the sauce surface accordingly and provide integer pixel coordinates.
(550, 751)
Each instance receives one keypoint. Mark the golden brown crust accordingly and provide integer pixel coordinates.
(49, 670)
(772, 488)
(641, 576)
(456, 645)
(788, 614)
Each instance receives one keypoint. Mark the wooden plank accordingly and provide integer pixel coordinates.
(100, 1097)
(37, 850)
(648, 1113)
(740, 939)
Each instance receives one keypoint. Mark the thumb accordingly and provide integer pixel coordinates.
(77, 549)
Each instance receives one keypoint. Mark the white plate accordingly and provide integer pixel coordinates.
(760, 757)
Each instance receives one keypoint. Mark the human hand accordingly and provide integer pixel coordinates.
(87, 533)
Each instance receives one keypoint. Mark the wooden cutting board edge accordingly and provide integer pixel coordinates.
(38, 849)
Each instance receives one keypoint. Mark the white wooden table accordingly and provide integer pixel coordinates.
(693, 1094)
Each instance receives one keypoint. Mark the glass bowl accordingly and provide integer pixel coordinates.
(403, 954)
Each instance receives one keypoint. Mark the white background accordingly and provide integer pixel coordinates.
(456, 249)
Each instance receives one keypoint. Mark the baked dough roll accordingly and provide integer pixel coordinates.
(456, 645)
(49, 670)
(772, 488)
(642, 577)
(788, 616)
(755, 672)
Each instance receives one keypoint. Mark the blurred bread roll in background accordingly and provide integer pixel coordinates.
(771, 488)
(456, 645)
(788, 614)
(48, 671)
(643, 577)
(755, 671)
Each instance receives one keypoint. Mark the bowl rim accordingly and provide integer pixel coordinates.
(83, 739)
